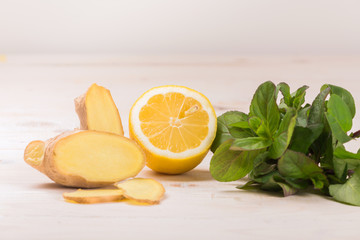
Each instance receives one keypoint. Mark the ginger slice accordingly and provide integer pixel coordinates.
(143, 190)
(94, 196)
(86, 159)
(97, 111)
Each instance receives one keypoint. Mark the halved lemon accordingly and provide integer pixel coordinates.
(175, 126)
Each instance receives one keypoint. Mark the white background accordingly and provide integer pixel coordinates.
(150, 27)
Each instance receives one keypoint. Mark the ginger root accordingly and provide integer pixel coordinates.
(143, 190)
(86, 159)
(97, 111)
(94, 196)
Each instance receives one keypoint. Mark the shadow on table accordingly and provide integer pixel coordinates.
(191, 176)
(252, 192)
(49, 186)
(301, 193)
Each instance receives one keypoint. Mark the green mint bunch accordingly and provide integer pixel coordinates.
(290, 146)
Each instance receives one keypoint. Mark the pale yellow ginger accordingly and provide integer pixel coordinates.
(143, 190)
(94, 196)
(140, 190)
(97, 111)
(86, 159)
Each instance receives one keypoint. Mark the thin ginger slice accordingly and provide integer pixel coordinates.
(97, 111)
(86, 159)
(143, 190)
(94, 196)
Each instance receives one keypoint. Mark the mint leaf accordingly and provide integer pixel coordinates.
(261, 167)
(225, 131)
(337, 130)
(339, 118)
(259, 127)
(322, 149)
(285, 91)
(295, 99)
(229, 165)
(303, 137)
(250, 143)
(288, 122)
(241, 124)
(249, 185)
(340, 169)
(345, 96)
(338, 108)
(319, 180)
(299, 97)
(340, 152)
(287, 189)
(344, 158)
(267, 181)
(297, 183)
(263, 105)
(275, 182)
(254, 123)
(317, 109)
(284, 134)
(348, 192)
(279, 145)
(302, 116)
(298, 166)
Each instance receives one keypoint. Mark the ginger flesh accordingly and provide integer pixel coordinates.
(142, 190)
(94, 196)
(86, 159)
(97, 111)
(34, 153)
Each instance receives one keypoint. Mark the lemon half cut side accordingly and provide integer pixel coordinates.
(175, 126)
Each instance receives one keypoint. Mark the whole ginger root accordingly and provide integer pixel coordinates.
(85, 158)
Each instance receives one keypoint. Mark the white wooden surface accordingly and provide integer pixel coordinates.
(36, 102)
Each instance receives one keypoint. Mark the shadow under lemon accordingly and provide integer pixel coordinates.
(190, 176)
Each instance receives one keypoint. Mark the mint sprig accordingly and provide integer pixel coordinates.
(290, 146)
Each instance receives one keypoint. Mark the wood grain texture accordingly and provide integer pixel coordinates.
(36, 102)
